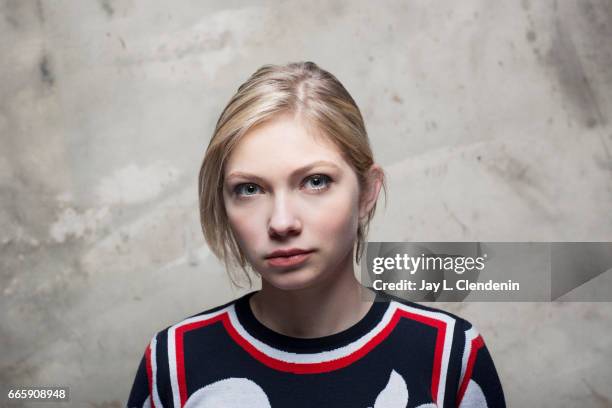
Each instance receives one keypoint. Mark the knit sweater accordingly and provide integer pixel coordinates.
(400, 354)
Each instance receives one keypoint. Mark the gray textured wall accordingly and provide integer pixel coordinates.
(491, 118)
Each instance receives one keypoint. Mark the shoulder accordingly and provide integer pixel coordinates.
(195, 321)
(459, 352)
(452, 332)
(163, 360)
(427, 314)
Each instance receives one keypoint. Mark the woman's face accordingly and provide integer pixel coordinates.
(287, 189)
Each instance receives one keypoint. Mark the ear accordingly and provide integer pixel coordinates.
(369, 196)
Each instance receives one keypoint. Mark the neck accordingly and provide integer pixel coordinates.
(328, 307)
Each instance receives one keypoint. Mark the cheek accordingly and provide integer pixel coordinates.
(337, 216)
(245, 227)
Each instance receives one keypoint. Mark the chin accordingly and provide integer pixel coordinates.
(291, 279)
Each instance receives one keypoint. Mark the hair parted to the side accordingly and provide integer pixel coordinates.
(313, 95)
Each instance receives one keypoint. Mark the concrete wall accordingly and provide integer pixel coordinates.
(492, 120)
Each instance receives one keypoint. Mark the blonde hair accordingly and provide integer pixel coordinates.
(302, 89)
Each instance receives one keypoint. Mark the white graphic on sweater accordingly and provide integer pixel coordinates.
(473, 397)
(242, 392)
(395, 393)
(229, 393)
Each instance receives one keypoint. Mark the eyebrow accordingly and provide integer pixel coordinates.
(300, 170)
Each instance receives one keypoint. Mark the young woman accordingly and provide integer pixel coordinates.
(288, 187)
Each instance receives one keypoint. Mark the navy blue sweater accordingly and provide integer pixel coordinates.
(401, 354)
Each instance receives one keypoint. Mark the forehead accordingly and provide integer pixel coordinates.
(280, 144)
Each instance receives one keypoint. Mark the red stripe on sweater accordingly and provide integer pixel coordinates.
(311, 368)
(149, 373)
(180, 352)
(477, 343)
(440, 325)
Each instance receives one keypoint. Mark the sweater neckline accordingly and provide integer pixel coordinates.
(286, 343)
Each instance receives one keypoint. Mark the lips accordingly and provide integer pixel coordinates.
(287, 252)
(288, 257)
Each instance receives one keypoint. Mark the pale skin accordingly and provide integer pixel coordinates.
(285, 186)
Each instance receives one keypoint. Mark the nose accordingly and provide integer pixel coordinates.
(284, 221)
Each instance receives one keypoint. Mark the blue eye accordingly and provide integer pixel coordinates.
(246, 189)
(318, 181)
